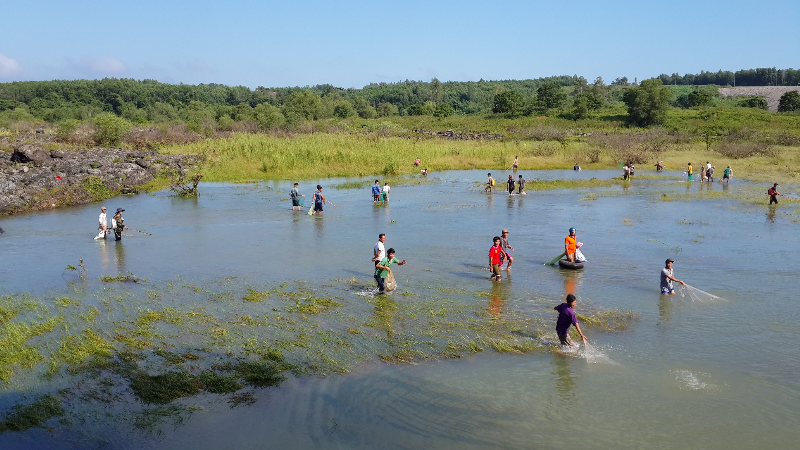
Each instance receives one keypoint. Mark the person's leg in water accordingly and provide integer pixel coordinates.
(381, 284)
(565, 340)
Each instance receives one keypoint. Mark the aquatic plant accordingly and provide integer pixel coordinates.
(32, 415)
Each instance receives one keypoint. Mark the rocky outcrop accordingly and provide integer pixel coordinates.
(32, 178)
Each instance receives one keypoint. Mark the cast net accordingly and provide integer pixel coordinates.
(697, 295)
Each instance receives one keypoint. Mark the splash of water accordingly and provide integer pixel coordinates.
(594, 355)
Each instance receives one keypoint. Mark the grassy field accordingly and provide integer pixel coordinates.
(245, 157)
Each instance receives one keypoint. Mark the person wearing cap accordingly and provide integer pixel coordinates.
(295, 196)
(319, 200)
(773, 194)
(570, 245)
(118, 225)
(505, 245)
(103, 226)
(667, 278)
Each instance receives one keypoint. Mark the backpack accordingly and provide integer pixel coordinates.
(771, 191)
(492, 181)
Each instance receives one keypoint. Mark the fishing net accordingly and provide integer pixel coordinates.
(697, 295)
(593, 355)
(391, 284)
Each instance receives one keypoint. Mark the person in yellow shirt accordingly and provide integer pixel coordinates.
(689, 172)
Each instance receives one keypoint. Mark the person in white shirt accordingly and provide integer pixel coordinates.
(103, 226)
(386, 190)
(379, 251)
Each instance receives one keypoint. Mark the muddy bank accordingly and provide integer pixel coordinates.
(33, 178)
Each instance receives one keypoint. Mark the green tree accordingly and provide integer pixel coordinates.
(302, 105)
(647, 103)
(423, 109)
(387, 109)
(508, 102)
(268, 116)
(110, 128)
(584, 104)
(443, 110)
(789, 101)
(550, 96)
(344, 109)
(363, 108)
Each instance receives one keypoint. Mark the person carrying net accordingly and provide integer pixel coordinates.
(667, 277)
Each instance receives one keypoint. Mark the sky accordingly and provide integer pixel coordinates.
(352, 43)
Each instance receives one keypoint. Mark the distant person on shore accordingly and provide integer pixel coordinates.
(295, 196)
(659, 166)
(506, 246)
(376, 192)
(495, 260)
(576, 168)
(570, 245)
(424, 172)
(416, 161)
(515, 164)
(510, 184)
(667, 278)
(103, 225)
(319, 200)
(118, 224)
(567, 318)
(383, 268)
(689, 172)
(773, 194)
(521, 185)
(727, 174)
(379, 252)
(489, 184)
(386, 190)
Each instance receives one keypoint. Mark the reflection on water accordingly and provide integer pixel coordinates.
(497, 296)
(771, 214)
(565, 383)
(665, 308)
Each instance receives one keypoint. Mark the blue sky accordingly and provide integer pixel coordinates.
(353, 43)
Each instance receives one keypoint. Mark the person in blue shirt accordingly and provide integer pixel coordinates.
(376, 192)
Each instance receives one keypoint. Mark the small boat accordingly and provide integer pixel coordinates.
(563, 263)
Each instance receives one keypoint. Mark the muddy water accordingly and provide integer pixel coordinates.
(714, 375)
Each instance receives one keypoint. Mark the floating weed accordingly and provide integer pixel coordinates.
(260, 373)
(627, 222)
(76, 350)
(164, 388)
(35, 414)
(150, 418)
(169, 357)
(130, 278)
(243, 398)
(219, 384)
(254, 296)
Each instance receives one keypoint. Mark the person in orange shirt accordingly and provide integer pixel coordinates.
(570, 245)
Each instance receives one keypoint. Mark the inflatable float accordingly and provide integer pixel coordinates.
(564, 264)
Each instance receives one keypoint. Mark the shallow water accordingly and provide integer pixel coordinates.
(717, 375)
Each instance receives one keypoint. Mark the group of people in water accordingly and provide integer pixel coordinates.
(117, 225)
(707, 173)
(511, 185)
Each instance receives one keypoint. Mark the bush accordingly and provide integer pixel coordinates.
(303, 105)
(225, 123)
(364, 109)
(508, 102)
(550, 96)
(344, 109)
(754, 102)
(66, 129)
(789, 101)
(738, 150)
(268, 116)
(109, 129)
(585, 103)
(424, 109)
(387, 109)
(698, 97)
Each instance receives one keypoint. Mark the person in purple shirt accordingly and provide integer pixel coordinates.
(566, 318)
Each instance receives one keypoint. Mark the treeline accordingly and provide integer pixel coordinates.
(750, 77)
(151, 101)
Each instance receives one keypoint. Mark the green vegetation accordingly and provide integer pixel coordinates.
(647, 103)
(35, 414)
(789, 101)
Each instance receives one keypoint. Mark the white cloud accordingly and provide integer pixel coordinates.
(8, 66)
(106, 65)
(198, 65)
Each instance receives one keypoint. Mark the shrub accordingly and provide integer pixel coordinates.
(789, 101)
(109, 128)
(754, 102)
(508, 102)
(344, 109)
(364, 109)
(738, 150)
(443, 110)
(387, 109)
(268, 116)
(66, 129)
(647, 103)
(550, 95)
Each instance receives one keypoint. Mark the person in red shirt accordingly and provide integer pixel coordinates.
(494, 258)
(570, 245)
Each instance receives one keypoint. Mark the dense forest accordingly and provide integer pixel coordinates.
(224, 107)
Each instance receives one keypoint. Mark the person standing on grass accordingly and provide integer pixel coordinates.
(383, 268)
(521, 185)
(667, 278)
(727, 174)
(510, 184)
(489, 183)
(319, 200)
(376, 192)
(416, 161)
(386, 190)
(103, 225)
(773, 194)
(516, 163)
(495, 260)
(506, 246)
(379, 252)
(689, 172)
(570, 245)
(295, 196)
(567, 318)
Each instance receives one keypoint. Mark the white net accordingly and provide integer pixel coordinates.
(696, 295)
(391, 284)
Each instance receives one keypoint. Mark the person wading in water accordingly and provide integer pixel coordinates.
(117, 222)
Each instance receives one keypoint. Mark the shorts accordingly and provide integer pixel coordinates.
(496, 269)
(296, 202)
(318, 207)
(725, 177)
(665, 291)
(565, 340)
(515, 166)
(381, 283)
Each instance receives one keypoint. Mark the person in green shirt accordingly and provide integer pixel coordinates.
(383, 268)
(727, 175)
